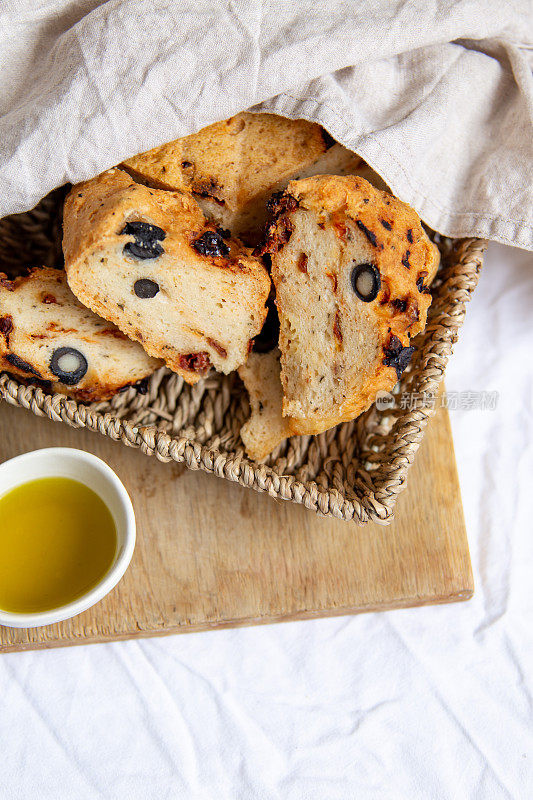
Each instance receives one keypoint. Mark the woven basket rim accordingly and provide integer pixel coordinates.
(376, 505)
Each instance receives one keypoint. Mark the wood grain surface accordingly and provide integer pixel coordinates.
(212, 554)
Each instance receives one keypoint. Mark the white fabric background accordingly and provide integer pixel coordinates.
(437, 97)
(426, 704)
(433, 703)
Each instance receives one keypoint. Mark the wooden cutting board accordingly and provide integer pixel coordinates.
(211, 554)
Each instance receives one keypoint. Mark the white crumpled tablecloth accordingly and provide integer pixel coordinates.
(433, 703)
(437, 97)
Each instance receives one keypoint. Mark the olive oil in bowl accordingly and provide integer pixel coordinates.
(57, 541)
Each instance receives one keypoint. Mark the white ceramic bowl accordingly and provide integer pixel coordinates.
(66, 462)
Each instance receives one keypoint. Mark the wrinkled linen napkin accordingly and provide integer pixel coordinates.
(437, 97)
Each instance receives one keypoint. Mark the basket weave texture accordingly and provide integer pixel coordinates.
(353, 472)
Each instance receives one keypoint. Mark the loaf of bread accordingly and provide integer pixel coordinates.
(232, 167)
(148, 261)
(47, 335)
(351, 266)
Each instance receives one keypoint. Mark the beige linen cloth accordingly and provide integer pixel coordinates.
(437, 97)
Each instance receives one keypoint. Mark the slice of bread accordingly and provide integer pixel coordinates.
(232, 167)
(148, 261)
(351, 266)
(266, 427)
(46, 334)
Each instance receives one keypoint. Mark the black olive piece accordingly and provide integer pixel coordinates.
(366, 282)
(370, 235)
(143, 250)
(146, 238)
(396, 355)
(143, 230)
(420, 286)
(69, 365)
(211, 243)
(268, 339)
(19, 363)
(145, 288)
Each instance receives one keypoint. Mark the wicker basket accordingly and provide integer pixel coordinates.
(354, 471)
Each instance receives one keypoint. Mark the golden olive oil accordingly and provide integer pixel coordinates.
(57, 540)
